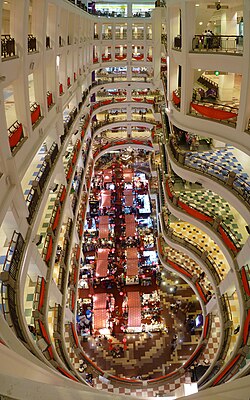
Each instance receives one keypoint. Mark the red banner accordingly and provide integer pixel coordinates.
(60, 89)
(78, 252)
(72, 301)
(213, 113)
(176, 99)
(80, 229)
(49, 249)
(179, 268)
(224, 372)
(63, 195)
(35, 114)
(245, 281)
(50, 351)
(44, 332)
(56, 219)
(41, 297)
(65, 373)
(227, 240)
(205, 328)
(16, 136)
(198, 287)
(68, 176)
(195, 213)
(246, 328)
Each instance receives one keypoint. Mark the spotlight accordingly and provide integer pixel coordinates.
(218, 6)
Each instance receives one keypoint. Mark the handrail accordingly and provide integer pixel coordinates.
(194, 247)
(208, 217)
(9, 276)
(226, 44)
(208, 168)
(34, 195)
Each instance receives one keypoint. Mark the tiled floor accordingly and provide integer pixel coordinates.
(56, 266)
(29, 292)
(42, 230)
(235, 312)
(33, 170)
(192, 233)
(218, 162)
(214, 340)
(214, 205)
(189, 264)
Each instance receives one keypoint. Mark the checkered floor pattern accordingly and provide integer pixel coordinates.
(234, 307)
(195, 235)
(189, 264)
(161, 390)
(215, 205)
(46, 218)
(218, 163)
(33, 170)
(213, 341)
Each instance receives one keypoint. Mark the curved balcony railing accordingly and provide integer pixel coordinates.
(125, 142)
(50, 238)
(142, 100)
(44, 342)
(227, 236)
(186, 242)
(117, 119)
(180, 269)
(34, 196)
(226, 44)
(58, 318)
(9, 276)
(210, 169)
(215, 112)
(233, 366)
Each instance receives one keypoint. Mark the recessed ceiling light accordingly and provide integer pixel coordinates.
(199, 70)
(200, 23)
(197, 5)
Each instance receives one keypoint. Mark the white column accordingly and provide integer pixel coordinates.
(226, 86)
(229, 23)
(129, 9)
(188, 30)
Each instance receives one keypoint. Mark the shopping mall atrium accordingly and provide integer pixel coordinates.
(125, 199)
